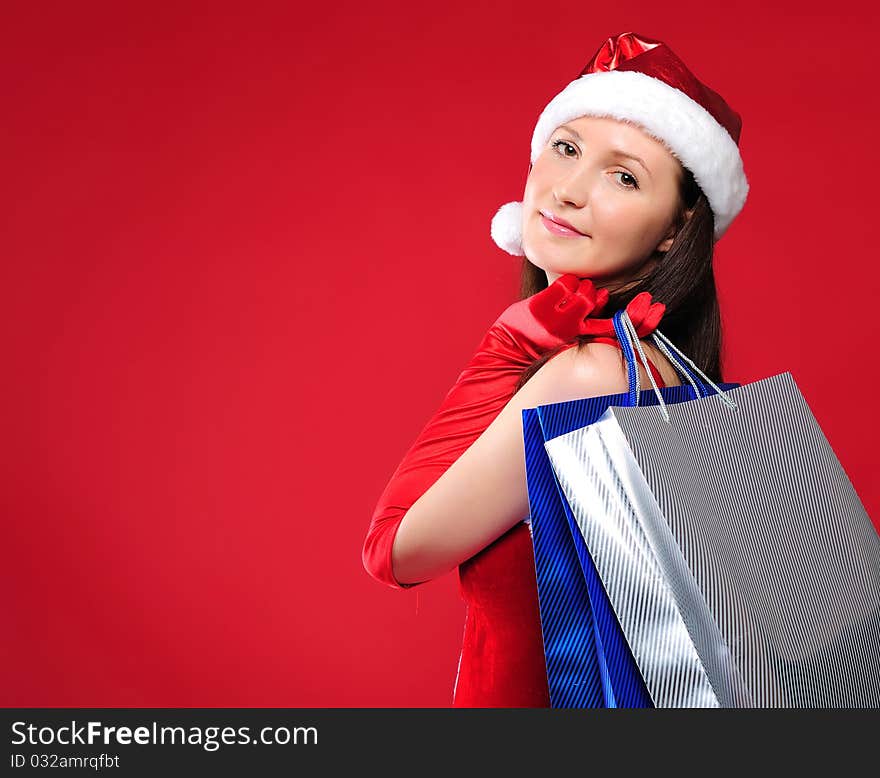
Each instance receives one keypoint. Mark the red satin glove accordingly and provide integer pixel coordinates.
(569, 306)
(644, 313)
(563, 307)
(524, 332)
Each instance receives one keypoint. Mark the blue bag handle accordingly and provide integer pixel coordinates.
(627, 335)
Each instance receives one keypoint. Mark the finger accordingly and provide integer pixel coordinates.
(651, 319)
(596, 297)
(638, 308)
(597, 327)
(569, 281)
(579, 308)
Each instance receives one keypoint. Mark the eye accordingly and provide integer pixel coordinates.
(635, 183)
(557, 143)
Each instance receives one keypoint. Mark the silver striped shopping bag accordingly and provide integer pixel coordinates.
(737, 557)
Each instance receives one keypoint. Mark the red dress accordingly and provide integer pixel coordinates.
(502, 655)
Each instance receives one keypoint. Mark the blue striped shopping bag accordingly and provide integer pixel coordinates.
(588, 662)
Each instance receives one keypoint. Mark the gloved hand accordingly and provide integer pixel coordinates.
(644, 313)
(521, 334)
(568, 308)
(561, 308)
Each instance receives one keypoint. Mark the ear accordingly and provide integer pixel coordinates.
(665, 244)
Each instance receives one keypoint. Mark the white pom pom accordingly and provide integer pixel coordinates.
(507, 228)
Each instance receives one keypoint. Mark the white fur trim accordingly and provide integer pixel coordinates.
(507, 228)
(683, 125)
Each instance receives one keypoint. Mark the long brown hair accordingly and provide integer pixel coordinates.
(682, 279)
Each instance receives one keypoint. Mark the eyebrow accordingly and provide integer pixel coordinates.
(618, 152)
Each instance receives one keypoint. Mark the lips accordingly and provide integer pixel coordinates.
(559, 226)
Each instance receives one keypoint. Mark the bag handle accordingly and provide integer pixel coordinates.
(627, 340)
(628, 336)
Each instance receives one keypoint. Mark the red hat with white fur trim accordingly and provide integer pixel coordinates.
(641, 80)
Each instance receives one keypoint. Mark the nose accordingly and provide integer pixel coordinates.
(573, 189)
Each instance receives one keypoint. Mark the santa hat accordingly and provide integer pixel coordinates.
(642, 81)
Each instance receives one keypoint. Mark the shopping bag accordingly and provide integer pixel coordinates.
(587, 659)
(735, 554)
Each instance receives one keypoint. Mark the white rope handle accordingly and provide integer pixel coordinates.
(657, 335)
(672, 352)
(675, 360)
(634, 340)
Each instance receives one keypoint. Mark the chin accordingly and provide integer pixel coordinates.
(533, 257)
(552, 260)
(541, 260)
(559, 268)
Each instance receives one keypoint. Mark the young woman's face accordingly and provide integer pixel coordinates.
(622, 208)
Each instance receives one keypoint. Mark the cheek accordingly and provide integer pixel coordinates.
(534, 186)
(540, 178)
(614, 216)
(629, 219)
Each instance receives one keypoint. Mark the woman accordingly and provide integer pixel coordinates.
(635, 173)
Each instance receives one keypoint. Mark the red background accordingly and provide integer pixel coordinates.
(246, 253)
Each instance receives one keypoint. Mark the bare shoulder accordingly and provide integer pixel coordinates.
(591, 370)
(610, 355)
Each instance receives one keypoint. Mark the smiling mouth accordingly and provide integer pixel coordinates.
(555, 228)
